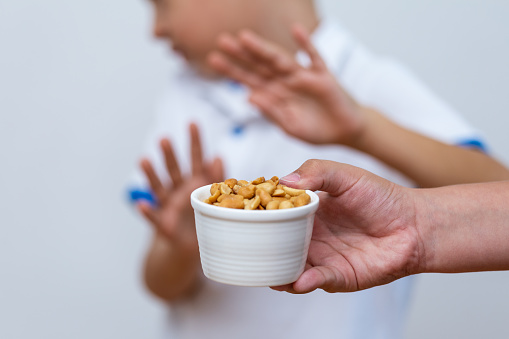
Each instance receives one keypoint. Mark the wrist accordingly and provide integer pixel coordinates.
(426, 215)
(362, 129)
(183, 248)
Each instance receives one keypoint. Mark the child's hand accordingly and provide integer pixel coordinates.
(174, 217)
(307, 103)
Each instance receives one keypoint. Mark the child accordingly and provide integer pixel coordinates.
(248, 146)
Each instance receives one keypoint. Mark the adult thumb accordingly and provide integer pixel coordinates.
(324, 175)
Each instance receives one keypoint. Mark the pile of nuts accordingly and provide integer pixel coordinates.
(259, 194)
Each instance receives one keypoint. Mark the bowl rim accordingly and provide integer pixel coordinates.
(248, 215)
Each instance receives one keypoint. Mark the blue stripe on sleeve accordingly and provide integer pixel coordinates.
(235, 86)
(137, 194)
(473, 143)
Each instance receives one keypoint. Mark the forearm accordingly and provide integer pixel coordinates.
(465, 228)
(426, 161)
(171, 272)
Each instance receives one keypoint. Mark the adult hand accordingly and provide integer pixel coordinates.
(365, 231)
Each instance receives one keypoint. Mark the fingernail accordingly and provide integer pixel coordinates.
(291, 178)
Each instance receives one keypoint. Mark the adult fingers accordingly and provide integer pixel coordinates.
(302, 37)
(283, 288)
(323, 277)
(155, 184)
(289, 287)
(226, 67)
(171, 162)
(274, 57)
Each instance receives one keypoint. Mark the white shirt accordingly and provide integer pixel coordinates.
(251, 147)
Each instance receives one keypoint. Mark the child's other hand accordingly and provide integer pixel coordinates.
(307, 103)
(174, 217)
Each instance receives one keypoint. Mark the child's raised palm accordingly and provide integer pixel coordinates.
(307, 103)
(173, 216)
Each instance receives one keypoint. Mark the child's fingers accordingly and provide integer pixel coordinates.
(270, 106)
(221, 64)
(230, 46)
(306, 82)
(196, 150)
(154, 219)
(153, 179)
(146, 210)
(171, 162)
(302, 37)
(217, 170)
(270, 54)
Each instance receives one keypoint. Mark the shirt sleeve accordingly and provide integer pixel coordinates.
(394, 91)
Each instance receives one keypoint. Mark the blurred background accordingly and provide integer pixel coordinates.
(78, 84)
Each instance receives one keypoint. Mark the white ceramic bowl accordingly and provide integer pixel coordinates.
(252, 248)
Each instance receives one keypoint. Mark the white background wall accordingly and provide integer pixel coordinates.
(78, 80)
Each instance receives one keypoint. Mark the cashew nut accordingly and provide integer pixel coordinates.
(230, 182)
(301, 200)
(232, 201)
(293, 192)
(247, 191)
(252, 204)
(225, 189)
(286, 204)
(268, 186)
(265, 197)
(273, 205)
(258, 181)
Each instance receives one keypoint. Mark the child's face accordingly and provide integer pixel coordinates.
(192, 26)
